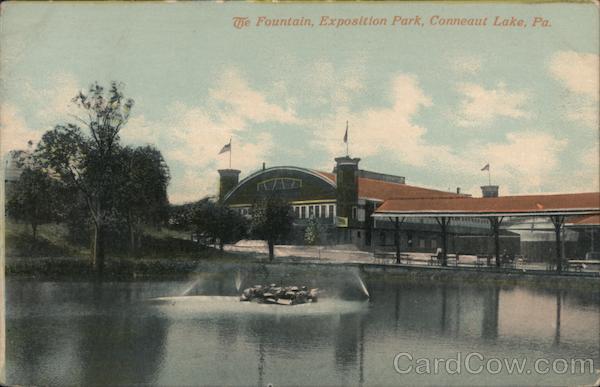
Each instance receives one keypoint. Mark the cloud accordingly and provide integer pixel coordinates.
(390, 131)
(587, 177)
(49, 105)
(331, 85)
(54, 103)
(576, 71)
(582, 112)
(378, 130)
(234, 92)
(466, 64)
(480, 106)
(14, 132)
(191, 136)
(526, 160)
(578, 74)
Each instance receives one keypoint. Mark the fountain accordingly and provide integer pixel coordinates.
(280, 295)
(238, 280)
(191, 287)
(362, 286)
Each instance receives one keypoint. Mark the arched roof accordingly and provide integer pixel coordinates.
(319, 175)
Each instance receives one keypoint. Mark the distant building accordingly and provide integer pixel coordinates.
(12, 172)
(342, 201)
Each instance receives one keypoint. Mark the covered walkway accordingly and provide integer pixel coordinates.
(556, 207)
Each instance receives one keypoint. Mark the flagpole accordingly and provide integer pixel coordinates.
(489, 176)
(347, 138)
(230, 150)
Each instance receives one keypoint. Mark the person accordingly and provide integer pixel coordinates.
(504, 256)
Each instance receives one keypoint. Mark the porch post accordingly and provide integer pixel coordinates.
(558, 222)
(495, 222)
(444, 222)
(397, 241)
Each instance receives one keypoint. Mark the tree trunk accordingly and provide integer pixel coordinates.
(131, 234)
(98, 251)
(34, 231)
(92, 248)
(271, 249)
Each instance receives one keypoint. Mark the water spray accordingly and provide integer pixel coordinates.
(238, 280)
(190, 288)
(363, 287)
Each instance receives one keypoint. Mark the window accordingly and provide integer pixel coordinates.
(361, 214)
(421, 243)
(354, 212)
(382, 238)
(317, 213)
(358, 234)
(311, 211)
(433, 244)
(277, 184)
(296, 211)
(303, 212)
(331, 211)
(323, 211)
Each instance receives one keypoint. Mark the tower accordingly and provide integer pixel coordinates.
(228, 179)
(347, 190)
(489, 191)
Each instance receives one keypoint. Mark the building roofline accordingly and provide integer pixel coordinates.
(311, 172)
(525, 205)
(483, 214)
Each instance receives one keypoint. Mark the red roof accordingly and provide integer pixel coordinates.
(383, 190)
(585, 220)
(582, 203)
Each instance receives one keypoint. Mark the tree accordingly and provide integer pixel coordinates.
(218, 222)
(141, 196)
(180, 216)
(34, 199)
(86, 159)
(272, 220)
(312, 233)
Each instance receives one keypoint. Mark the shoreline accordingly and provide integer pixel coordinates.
(128, 269)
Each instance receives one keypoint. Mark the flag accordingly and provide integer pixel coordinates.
(486, 167)
(346, 134)
(226, 147)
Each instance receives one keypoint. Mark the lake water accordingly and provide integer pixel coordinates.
(109, 333)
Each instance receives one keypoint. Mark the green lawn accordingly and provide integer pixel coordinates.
(163, 251)
(51, 241)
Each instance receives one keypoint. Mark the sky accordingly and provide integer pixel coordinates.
(431, 103)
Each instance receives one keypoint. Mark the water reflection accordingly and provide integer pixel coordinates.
(109, 333)
(491, 307)
(558, 310)
(129, 347)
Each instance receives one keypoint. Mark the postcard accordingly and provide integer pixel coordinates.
(306, 193)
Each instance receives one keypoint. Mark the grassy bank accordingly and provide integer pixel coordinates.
(52, 254)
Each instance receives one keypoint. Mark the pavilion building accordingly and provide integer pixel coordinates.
(343, 202)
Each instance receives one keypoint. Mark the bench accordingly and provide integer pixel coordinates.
(520, 260)
(482, 260)
(389, 257)
(575, 265)
(509, 264)
(435, 260)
